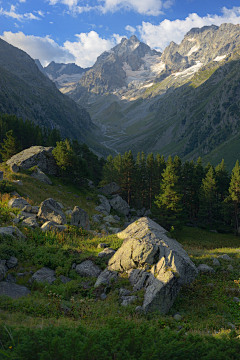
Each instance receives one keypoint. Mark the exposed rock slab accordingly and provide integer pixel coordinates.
(40, 176)
(106, 277)
(31, 222)
(120, 205)
(51, 211)
(106, 252)
(80, 218)
(13, 290)
(36, 156)
(110, 189)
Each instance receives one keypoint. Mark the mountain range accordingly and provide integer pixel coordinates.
(183, 101)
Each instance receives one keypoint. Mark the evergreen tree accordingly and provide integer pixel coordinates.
(150, 178)
(208, 196)
(141, 180)
(168, 202)
(9, 147)
(65, 158)
(128, 176)
(234, 192)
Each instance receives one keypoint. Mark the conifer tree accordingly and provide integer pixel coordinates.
(169, 207)
(128, 176)
(9, 147)
(208, 196)
(141, 179)
(150, 178)
(234, 192)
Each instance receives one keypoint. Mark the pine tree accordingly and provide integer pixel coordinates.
(9, 147)
(208, 196)
(141, 179)
(128, 176)
(150, 178)
(65, 158)
(168, 202)
(234, 192)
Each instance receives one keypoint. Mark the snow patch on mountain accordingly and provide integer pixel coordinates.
(219, 58)
(193, 49)
(190, 71)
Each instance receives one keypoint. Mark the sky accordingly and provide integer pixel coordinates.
(78, 31)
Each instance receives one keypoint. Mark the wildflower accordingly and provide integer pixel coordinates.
(10, 347)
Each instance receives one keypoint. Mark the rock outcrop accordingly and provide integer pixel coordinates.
(110, 189)
(51, 211)
(104, 206)
(88, 268)
(120, 205)
(43, 275)
(11, 231)
(13, 290)
(80, 218)
(40, 176)
(154, 262)
(36, 156)
(19, 203)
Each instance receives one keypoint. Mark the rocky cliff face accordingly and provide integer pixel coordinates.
(29, 94)
(65, 76)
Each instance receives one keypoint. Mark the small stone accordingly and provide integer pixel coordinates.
(73, 266)
(103, 296)
(124, 292)
(16, 221)
(18, 182)
(127, 300)
(205, 268)
(102, 246)
(12, 262)
(68, 212)
(106, 252)
(88, 268)
(64, 279)
(177, 317)
(231, 326)
(14, 193)
(10, 279)
(14, 168)
(225, 257)
(230, 267)
(236, 299)
(52, 226)
(216, 262)
(76, 196)
(116, 217)
(138, 309)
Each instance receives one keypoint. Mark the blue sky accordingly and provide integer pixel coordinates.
(80, 30)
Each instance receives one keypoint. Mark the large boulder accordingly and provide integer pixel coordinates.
(19, 203)
(52, 226)
(120, 205)
(51, 211)
(104, 206)
(80, 218)
(154, 262)
(13, 290)
(43, 275)
(88, 268)
(40, 176)
(110, 189)
(36, 156)
(11, 231)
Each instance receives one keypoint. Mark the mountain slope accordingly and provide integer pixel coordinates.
(177, 105)
(26, 92)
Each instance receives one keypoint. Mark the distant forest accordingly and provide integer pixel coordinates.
(176, 192)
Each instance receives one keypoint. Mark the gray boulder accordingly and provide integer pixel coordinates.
(31, 222)
(13, 290)
(80, 218)
(88, 269)
(11, 231)
(106, 277)
(3, 269)
(97, 218)
(110, 189)
(52, 226)
(114, 230)
(1, 175)
(124, 292)
(216, 262)
(18, 182)
(51, 211)
(205, 268)
(36, 156)
(43, 275)
(104, 206)
(12, 262)
(225, 257)
(64, 279)
(120, 205)
(19, 203)
(158, 263)
(127, 300)
(110, 219)
(14, 168)
(106, 252)
(40, 176)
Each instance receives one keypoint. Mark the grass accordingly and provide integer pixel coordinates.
(40, 323)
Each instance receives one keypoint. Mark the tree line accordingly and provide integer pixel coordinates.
(76, 161)
(178, 193)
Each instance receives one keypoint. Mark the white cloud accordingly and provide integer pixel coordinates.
(159, 36)
(20, 17)
(130, 28)
(22, 1)
(45, 49)
(16, 25)
(41, 13)
(84, 51)
(89, 46)
(149, 7)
